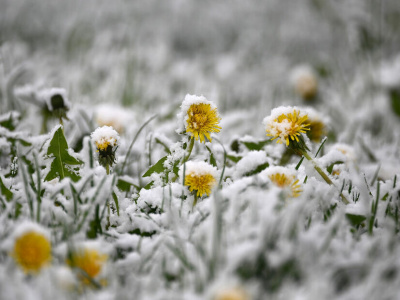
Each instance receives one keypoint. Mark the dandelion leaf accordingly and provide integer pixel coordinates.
(63, 165)
(158, 167)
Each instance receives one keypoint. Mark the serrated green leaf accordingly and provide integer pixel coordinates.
(158, 167)
(61, 166)
(213, 162)
(5, 191)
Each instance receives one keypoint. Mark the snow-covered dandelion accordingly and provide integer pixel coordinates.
(106, 140)
(286, 179)
(286, 124)
(231, 294)
(201, 117)
(316, 124)
(114, 116)
(200, 177)
(304, 81)
(32, 248)
(89, 262)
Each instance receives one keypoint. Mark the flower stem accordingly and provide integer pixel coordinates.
(189, 150)
(195, 199)
(108, 203)
(323, 174)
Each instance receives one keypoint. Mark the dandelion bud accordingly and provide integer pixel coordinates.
(106, 141)
(305, 82)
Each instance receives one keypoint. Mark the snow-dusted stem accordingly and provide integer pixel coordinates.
(323, 175)
(189, 150)
(108, 203)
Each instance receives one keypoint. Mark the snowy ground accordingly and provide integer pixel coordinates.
(130, 65)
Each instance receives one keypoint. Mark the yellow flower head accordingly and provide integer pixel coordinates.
(285, 179)
(200, 117)
(89, 261)
(32, 248)
(200, 177)
(231, 294)
(286, 124)
(316, 124)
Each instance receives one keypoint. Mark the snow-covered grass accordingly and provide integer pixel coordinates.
(107, 107)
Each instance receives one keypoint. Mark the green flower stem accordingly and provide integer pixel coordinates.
(189, 150)
(323, 174)
(195, 199)
(108, 203)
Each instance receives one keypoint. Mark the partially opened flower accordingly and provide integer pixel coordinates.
(32, 247)
(200, 177)
(285, 178)
(88, 261)
(317, 125)
(286, 124)
(106, 141)
(200, 117)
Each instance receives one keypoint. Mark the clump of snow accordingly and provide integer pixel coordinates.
(250, 162)
(279, 170)
(105, 135)
(198, 168)
(389, 74)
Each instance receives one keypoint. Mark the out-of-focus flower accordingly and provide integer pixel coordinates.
(200, 177)
(286, 124)
(111, 115)
(32, 247)
(305, 82)
(106, 141)
(316, 124)
(89, 261)
(201, 117)
(231, 294)
(285, 179)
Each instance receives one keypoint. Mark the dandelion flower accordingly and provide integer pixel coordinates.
(200, 177)
(287, 124)
(200, 117)
(316, 124)
(231, 294)
(88, 260)
(285, 178)
(305, 82)
(106, 141)
(32, 248)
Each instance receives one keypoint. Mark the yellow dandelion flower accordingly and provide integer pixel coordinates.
(105, 137)
(200, 177)
(90, 261)
(285, 179)
(286, 124)
(231, 294)
(201, 117)
(32, 250)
